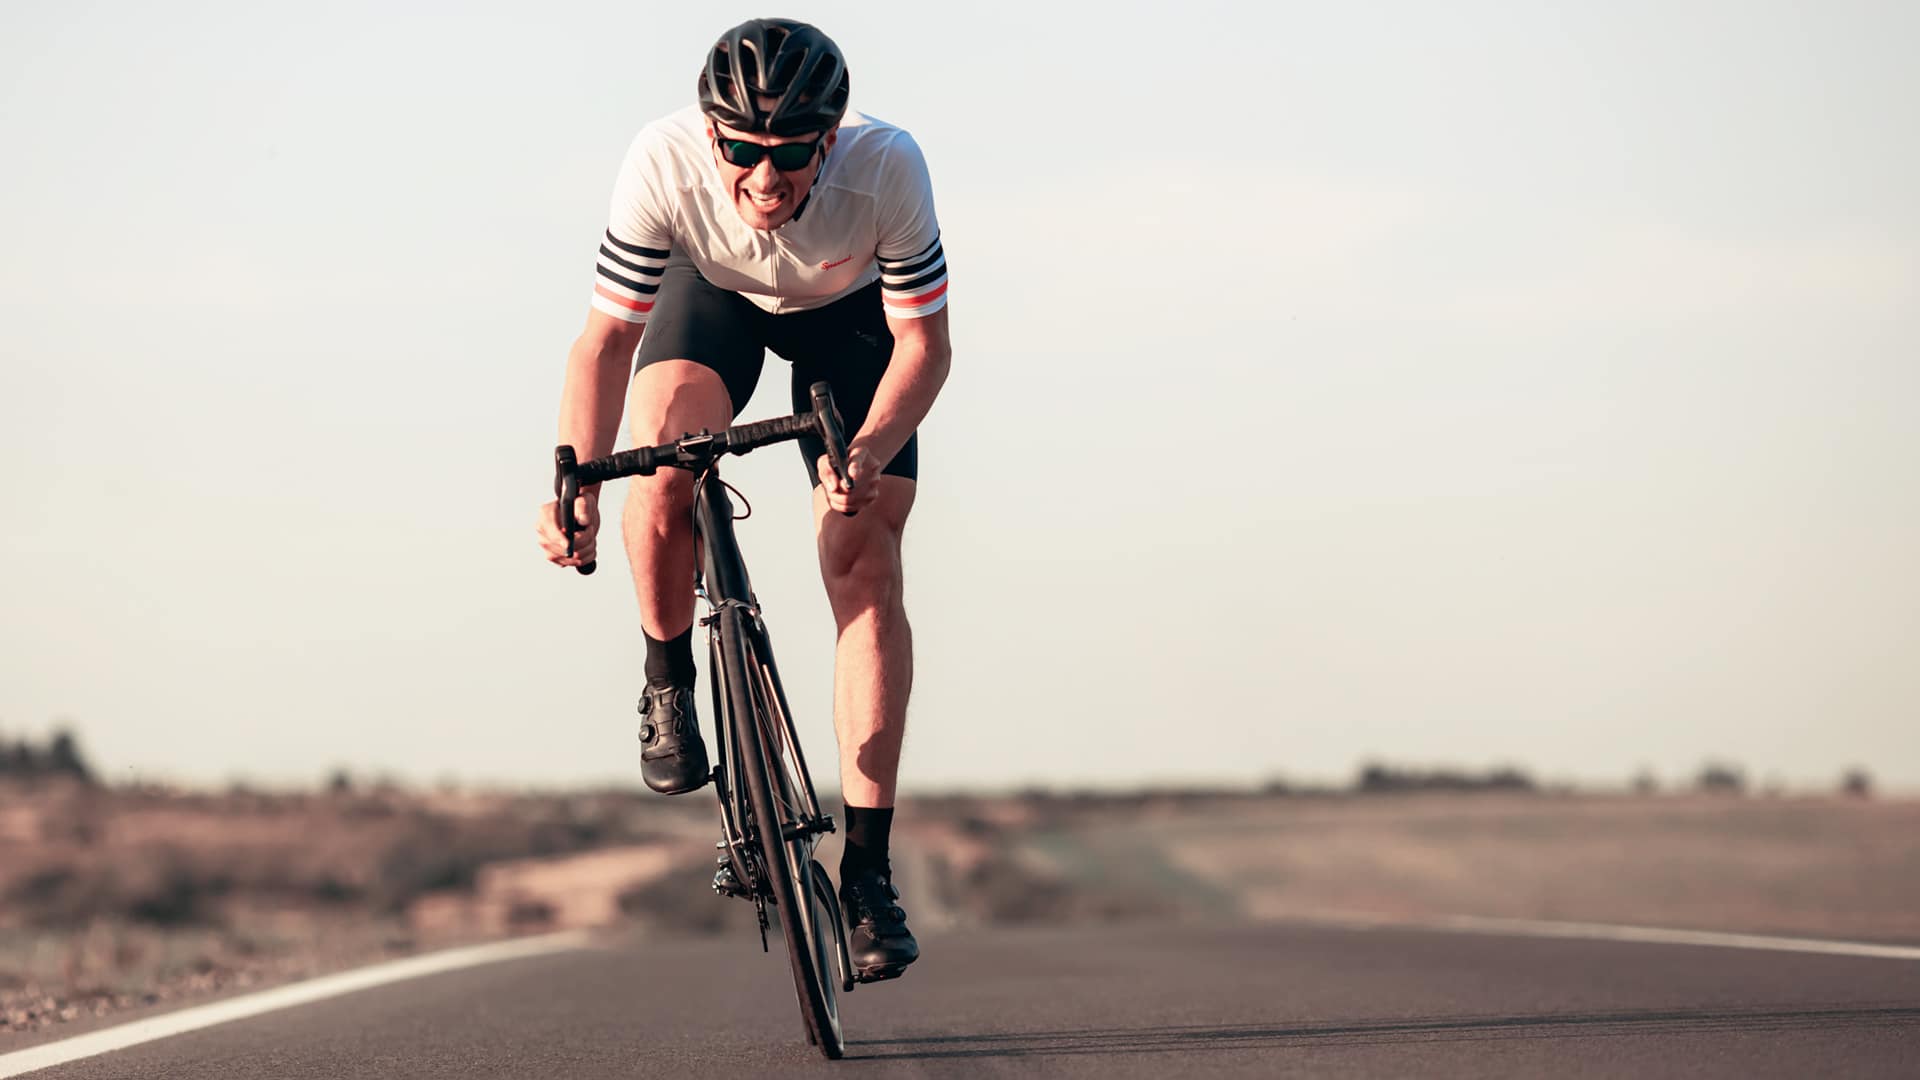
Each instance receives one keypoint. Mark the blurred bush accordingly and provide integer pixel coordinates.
(1721, 778)
(60, 758)
(1378, 778)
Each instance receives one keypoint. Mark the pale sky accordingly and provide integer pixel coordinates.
(1450, 384)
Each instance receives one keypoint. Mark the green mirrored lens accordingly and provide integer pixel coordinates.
(787, 157)
(790, 156)
(744, 154)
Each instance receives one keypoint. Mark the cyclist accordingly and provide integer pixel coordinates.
(771, 217)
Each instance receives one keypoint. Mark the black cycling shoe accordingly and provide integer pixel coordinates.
(673, 757)
(878, 941)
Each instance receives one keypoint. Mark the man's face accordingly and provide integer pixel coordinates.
(765, 196)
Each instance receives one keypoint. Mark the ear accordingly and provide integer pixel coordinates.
(832, 136)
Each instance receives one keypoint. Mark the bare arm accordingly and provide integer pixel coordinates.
(595, 393)
(918, 368)
(922, 356)
(591, 402)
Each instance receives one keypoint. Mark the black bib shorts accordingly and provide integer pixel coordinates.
(846, 343)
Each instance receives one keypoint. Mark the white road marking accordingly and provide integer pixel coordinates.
(47, 1055)
(1474, 924)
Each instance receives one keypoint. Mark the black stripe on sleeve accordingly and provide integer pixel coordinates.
(650, 271)
(628, 283)
(635, 249)
(897, 269)
(925, 279)
(916, 256)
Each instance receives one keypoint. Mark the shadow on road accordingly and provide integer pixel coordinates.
(1187, 1039)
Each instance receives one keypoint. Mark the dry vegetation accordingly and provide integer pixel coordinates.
(111, 898)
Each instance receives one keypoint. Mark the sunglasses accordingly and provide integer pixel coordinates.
(787, 157)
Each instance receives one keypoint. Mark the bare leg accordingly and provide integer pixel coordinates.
(666, 401)
(873, 662)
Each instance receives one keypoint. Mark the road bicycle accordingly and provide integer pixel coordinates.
(770, 819)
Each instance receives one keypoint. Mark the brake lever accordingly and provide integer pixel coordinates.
(566, 490)
(832, 432)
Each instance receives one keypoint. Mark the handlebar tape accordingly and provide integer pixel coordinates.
(750, 436)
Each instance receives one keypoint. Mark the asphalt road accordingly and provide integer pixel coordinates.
(1125, 1001)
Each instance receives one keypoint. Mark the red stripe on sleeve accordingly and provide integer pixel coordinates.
(916, 301)
(632, 305)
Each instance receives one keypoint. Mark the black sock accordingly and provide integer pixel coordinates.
(670, 662)
(867, 831)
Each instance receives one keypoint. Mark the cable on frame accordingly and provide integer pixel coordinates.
(713, 469)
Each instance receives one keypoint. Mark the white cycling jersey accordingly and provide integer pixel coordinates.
(869, 215)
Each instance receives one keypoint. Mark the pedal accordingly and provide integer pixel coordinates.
(879, 974)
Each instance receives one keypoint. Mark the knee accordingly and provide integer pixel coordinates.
(669, 398)
(863, 576)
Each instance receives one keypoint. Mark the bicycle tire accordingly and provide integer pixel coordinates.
(792, 787)
(829, 931)
(790, 879)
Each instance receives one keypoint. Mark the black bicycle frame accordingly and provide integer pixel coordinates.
(729, 591)
(723, 569)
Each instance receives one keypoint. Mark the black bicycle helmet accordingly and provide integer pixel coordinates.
(775, 76)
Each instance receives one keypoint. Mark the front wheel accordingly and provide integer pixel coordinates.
(795, 877)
